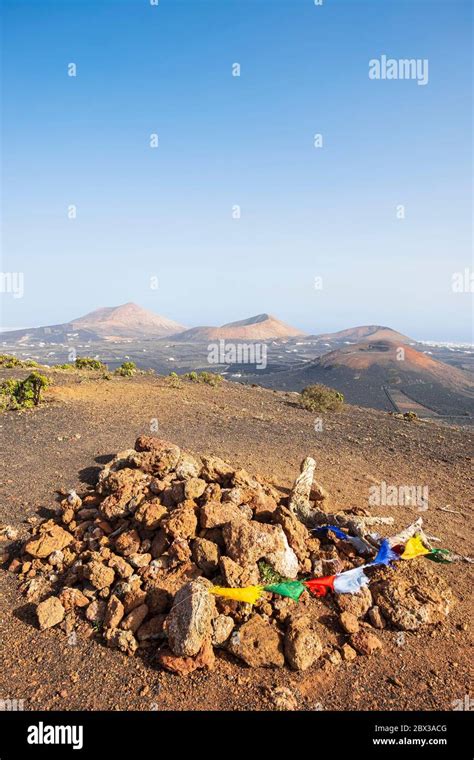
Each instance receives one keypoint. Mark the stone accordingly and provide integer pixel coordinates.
(125, 490)
(298, 501)
(284, 700)
(222, 627)
(139, 560)
(96, 611)
(216, 470)
(135, 618)
(412, 596)
(365, 642)
(159, 544)
(215, 514)
(162, 589)
(115, 612)
(235, 576)
(72, 597)
(318, 493)
(257, 643)
(349, 622)
(187, 467)
(150, 514)
(194, 488)
(334, 657)
(99, 575)
(179, 551)
(376, 617)
(133, 597)
(56, 558)
(164, 456)
(262, 505)
(177, 492)
(121, 566)
(120, 639)
(358, 604)
(51, 538)
(152, 629)
(181, 523)
(189, 622)
(302, 644)
(348, 653)
(248, 541)
(127, 542)
(186, 665)
(206, 555)
(50, 612)
(297, 533)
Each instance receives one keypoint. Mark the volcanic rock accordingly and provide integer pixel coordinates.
(189, 622)
(247, 542)
(302, 644)
(51, 538)
(222, 627)
(413, 596)
(206, 555)
(185, 665)
(258, 644)
(50, 612)
(365, 642)
(357, 604)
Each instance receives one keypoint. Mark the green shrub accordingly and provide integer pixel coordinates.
(127, 369)
(7, 361)
(210, 378)
(23, 394)
(63, 366)
(320, 398)
(86, 362)
(174, 380)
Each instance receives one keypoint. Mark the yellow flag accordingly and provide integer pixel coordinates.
(414, 548)
(249, 594)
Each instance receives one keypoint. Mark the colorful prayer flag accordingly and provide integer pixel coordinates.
(351, 581)
(385, 554)
(292, 589)
(414, 548)
(249, 594)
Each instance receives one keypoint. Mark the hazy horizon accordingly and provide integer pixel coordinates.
(201, 324)
(165, 215)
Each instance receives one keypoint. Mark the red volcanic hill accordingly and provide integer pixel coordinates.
(366, 332)
(127, 320)
(107, 323)
(368, 373)
(260, 327)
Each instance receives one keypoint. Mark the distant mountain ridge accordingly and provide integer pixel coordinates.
(127, 320)
(106, 323)
(260, 327)
(366, 332)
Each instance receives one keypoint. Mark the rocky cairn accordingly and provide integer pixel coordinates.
(134, 560)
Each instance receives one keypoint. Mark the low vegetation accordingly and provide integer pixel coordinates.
(8, 361)
(320, 398)
(23, 394)
(127, 369)
(209, 378)
(86, 362)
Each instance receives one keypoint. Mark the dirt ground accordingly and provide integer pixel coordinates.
(85, 421)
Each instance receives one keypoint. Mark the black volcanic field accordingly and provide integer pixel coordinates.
(291, 366)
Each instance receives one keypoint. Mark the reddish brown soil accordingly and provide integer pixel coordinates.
(62, 443)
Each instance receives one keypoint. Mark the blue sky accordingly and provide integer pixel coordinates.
(247, 141)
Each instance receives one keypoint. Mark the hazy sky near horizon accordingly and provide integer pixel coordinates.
(306, 212)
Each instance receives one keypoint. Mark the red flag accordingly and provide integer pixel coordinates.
(319, 586)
